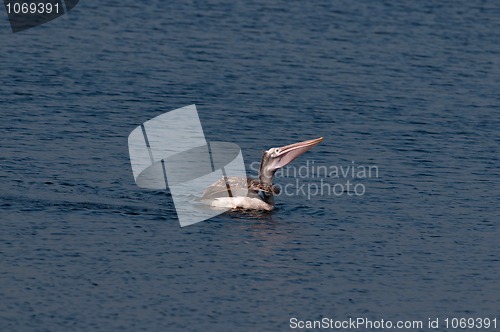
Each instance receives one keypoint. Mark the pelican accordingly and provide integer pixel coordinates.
(251, 194)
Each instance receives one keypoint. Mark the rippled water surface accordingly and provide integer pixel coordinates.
(409, 87)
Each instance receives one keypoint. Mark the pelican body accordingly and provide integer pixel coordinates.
(252, 194)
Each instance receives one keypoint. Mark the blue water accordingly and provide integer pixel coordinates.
(410, 87)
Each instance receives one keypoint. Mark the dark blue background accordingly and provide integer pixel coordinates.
(412, 87)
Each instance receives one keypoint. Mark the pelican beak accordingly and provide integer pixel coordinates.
(281, 157)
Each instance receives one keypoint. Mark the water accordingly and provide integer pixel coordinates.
(409, 87)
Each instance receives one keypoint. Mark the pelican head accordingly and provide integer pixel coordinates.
(276, 158)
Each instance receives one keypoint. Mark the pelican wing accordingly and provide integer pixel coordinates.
(237, 186)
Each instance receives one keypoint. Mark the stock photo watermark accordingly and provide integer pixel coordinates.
(314, 179)
(364, 323)
(207, 178)
(25, 14)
